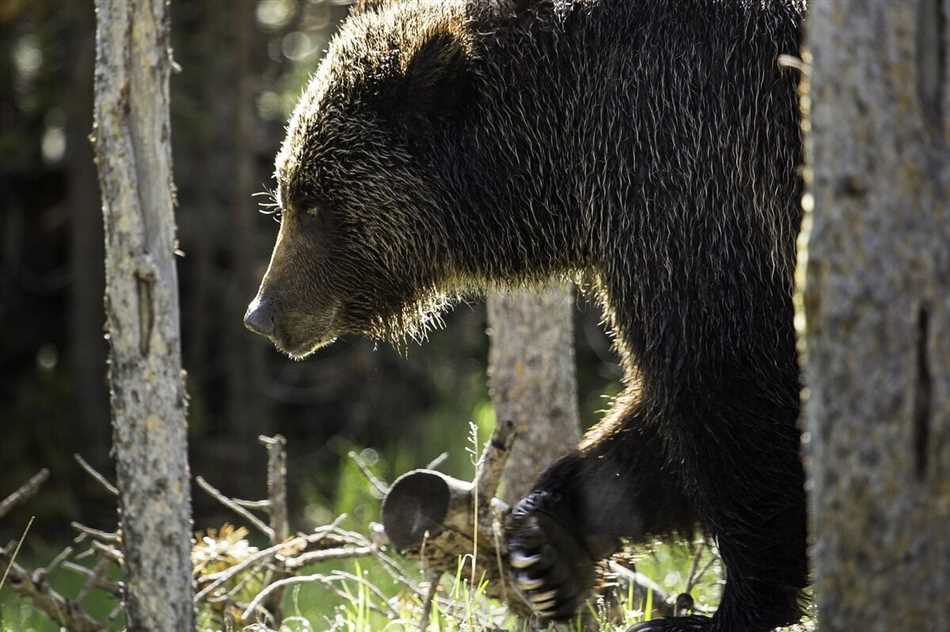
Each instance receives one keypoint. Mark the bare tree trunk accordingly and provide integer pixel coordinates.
(876, 313)
(531, 370)
(133, 153)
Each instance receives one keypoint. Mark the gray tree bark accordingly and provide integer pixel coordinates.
(133, 152)
(532, 378)
(874, 305)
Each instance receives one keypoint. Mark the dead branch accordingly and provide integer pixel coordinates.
(67, 613)
(277, 507)
(97, 535)
(96, 476)
(235, 507)
(379, 488)
(263, 556)
(435, 463)
(427, 602)
(277, 486)
(325, 555)
(26, 491)
(95, 578)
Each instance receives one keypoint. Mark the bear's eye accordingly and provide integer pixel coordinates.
(308, 204)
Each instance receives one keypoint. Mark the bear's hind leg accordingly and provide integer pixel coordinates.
(744, 465)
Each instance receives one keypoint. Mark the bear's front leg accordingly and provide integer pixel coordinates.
(617, 485)
(551, 564)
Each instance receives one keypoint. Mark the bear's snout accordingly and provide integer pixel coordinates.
(259, 317)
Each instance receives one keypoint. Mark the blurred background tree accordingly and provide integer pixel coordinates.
(243, 64)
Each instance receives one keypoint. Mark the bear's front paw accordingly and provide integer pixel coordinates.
(549, 565)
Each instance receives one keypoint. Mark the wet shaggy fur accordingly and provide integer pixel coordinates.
(649, 145)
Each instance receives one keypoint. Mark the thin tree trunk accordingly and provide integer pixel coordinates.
(531, 370)
(147, 388)
(876, 313)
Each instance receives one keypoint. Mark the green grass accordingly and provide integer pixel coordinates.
(461, 607)
(367, 598)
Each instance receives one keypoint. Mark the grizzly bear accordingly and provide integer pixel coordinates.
(652, 146)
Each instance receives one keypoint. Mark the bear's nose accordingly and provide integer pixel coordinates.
(260, 317)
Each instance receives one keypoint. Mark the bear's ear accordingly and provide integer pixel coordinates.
(436, 77)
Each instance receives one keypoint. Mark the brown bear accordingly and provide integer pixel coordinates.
(651, 145)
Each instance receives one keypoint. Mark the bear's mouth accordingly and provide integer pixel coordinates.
(305, 349)
(302, 335)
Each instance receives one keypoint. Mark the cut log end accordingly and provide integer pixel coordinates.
(417, 502)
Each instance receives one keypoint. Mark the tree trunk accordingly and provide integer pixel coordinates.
(531, 371)
(875, 307)
(147, 388)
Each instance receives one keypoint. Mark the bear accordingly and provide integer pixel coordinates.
(651, 147)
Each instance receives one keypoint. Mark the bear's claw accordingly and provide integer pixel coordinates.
(550, 566)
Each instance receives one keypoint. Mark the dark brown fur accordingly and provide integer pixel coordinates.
(651, 145)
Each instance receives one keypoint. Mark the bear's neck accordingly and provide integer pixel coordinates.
(514, 211)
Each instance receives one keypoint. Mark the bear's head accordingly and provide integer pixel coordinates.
(361, 247)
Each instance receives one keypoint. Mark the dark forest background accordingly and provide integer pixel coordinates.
(243, 63)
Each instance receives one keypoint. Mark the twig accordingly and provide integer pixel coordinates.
(24, 492)
(94, 578)
(68, 614)
(59, 559)
(380, 489)
(96, 534)
(40, 574)
(236, 508)
(427, 602)
(16, 551)
(262, 556)
(99, 478)
(373, 588)
(701, 573)
(110, 552)
(325, 555)
(437, 461)
(695, 564)
(283, 583)
(260, 505)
